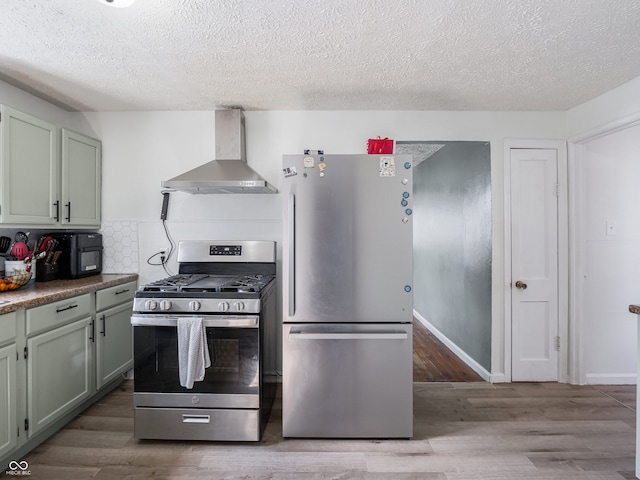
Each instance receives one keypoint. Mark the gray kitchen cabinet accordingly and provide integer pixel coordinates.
(49, 356)
(8, 392)
(51, 176)
(59, 360)
(81, 179)
(29, 163)
(114, 337)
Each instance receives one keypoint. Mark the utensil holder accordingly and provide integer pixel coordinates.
(11, 266)
(46, 272)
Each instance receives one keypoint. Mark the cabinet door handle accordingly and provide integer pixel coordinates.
(93, 331)
(58, 310)
(122, 291)
(57, 205)
(104, 325)
(68, 205)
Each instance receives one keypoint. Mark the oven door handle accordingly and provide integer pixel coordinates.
(250, 321)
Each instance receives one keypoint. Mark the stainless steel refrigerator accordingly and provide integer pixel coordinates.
(348, 300)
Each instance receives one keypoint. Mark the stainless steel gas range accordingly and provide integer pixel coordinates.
(231, 287)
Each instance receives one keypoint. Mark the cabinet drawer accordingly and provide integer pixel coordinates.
(112, 296)
(57, 313)
(7, 327)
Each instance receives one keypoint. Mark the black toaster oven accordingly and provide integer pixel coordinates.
(81, 254)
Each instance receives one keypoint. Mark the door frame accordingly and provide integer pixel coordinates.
(564, 366)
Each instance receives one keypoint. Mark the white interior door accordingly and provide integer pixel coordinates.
(534, 264)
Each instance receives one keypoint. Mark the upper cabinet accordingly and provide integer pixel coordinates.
(51, 177)
(29, 166)
(81, 168)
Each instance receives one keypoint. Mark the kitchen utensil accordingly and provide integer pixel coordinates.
(36, 247)
(30, 260)
(50, 254)
(22, 237)
(5, 243)
(42, 245)
(20, 250)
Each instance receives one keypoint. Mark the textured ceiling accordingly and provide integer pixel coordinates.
(320, 54)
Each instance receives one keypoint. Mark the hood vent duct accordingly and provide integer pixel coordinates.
(229, 172)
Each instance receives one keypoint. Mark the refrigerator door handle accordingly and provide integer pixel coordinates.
(291, 213)
(348, 335)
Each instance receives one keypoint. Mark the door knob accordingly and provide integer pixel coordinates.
(521, 285)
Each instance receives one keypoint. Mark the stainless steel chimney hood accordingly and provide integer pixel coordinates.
(229, 172)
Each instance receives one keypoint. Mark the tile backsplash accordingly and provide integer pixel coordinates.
(120, 240)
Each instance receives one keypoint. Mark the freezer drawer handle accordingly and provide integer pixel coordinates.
(349, 336)
(196, 419)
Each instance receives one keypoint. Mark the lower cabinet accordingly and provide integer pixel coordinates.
(8, 384)
(58, 372)
(58, 358)
(114, 337)
(114, 344)
(8, 399)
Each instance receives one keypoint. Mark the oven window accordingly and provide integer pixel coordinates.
(234, 352)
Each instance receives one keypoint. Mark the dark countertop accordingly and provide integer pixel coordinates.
(40, 293)
(634, 309)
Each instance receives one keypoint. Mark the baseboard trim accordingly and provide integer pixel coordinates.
(611, 379)
(471, 363)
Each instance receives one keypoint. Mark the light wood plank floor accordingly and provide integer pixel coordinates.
(462, 431)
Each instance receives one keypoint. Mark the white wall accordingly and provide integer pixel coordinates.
(617, 107)
(608, 276)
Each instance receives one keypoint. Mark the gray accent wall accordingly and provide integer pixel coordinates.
(452, 241)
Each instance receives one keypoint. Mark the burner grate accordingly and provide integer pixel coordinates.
(248, 283)
(205, 283)
(173, 283)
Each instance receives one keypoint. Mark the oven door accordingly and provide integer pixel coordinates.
(232, 381)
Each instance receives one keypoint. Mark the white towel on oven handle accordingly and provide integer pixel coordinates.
(193, 353)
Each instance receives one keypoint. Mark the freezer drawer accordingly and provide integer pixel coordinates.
(347, 380)
(197, 424)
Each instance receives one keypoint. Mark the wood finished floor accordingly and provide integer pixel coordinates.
(434, 362)
(478, 431)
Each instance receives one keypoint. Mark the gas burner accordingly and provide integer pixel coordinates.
(247, 283)
(205, 283)
(173, 283)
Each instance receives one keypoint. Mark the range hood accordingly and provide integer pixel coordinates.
(229, 172)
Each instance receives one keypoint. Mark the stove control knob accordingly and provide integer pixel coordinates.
(223, 306)
(165, 305)
(150, 305)
(239, 306)
(194, 305)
